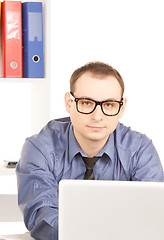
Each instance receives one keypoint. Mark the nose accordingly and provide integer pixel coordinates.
(97, 113)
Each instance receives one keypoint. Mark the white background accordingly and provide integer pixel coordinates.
(127, 34)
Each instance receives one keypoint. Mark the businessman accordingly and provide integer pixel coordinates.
(90, 144)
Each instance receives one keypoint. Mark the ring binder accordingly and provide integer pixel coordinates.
(33, 40)
(12, 39)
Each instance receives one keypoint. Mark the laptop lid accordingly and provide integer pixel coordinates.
(111, 210)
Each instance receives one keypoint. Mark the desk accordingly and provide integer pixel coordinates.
(11, 219)
(25, 236)
(8, 182)
(9, 211)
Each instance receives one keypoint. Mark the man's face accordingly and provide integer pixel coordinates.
(94, 126)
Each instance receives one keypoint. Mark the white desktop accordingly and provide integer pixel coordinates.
(11, 220)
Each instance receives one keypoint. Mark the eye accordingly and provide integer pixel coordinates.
(86, 103)
(108, 104)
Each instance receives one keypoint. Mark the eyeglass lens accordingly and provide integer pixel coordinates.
(88, 106)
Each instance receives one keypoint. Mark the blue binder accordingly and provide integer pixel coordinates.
(33, 61)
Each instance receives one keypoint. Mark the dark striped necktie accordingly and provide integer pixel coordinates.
(89, 164)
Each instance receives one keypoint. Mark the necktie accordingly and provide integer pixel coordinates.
(89, 164)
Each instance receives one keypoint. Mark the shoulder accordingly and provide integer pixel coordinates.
(138, 155)
(45, 147)
(130, 140)
(53, 135)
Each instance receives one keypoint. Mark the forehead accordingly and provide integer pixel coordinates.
(97, 87)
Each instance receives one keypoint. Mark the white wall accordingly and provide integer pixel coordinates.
(128, 34)
(124, 33)
(15, 118)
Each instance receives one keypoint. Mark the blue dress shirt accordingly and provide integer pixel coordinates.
(54, 154)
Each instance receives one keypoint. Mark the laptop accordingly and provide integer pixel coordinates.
(111, 210)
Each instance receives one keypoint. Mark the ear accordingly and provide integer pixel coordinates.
(123, 108)
(67, 102)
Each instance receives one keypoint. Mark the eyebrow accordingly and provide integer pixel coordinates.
(109, 99)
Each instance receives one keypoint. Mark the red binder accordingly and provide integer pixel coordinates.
(12, 38)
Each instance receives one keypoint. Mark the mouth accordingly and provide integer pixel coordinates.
(95, 128)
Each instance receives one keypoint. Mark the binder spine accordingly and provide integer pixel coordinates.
(12, 39)
(33, 66)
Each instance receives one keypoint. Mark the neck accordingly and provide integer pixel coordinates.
(90, 147)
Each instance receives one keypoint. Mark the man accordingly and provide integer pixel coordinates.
(91, 144)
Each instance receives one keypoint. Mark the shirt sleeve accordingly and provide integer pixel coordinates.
(37, 192)
(147, 165)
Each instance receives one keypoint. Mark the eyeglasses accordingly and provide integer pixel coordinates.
(87, 106)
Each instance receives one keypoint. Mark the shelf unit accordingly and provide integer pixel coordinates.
(40, 88)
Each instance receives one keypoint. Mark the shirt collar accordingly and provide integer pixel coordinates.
(74, 147)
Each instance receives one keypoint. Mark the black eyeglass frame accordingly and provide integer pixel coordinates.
(98, 103)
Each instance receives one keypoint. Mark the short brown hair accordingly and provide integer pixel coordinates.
(96, 68)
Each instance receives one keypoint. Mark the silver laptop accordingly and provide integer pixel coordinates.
(111, 210)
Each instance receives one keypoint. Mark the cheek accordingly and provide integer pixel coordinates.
(73, 112)
(78, 120)
(112, 123)
(74, 115)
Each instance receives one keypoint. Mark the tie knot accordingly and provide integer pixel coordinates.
(90, 162)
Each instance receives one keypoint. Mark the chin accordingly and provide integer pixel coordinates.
(97, 137)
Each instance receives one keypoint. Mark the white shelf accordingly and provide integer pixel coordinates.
(40, 87)
(40, 91)
(22, 80)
